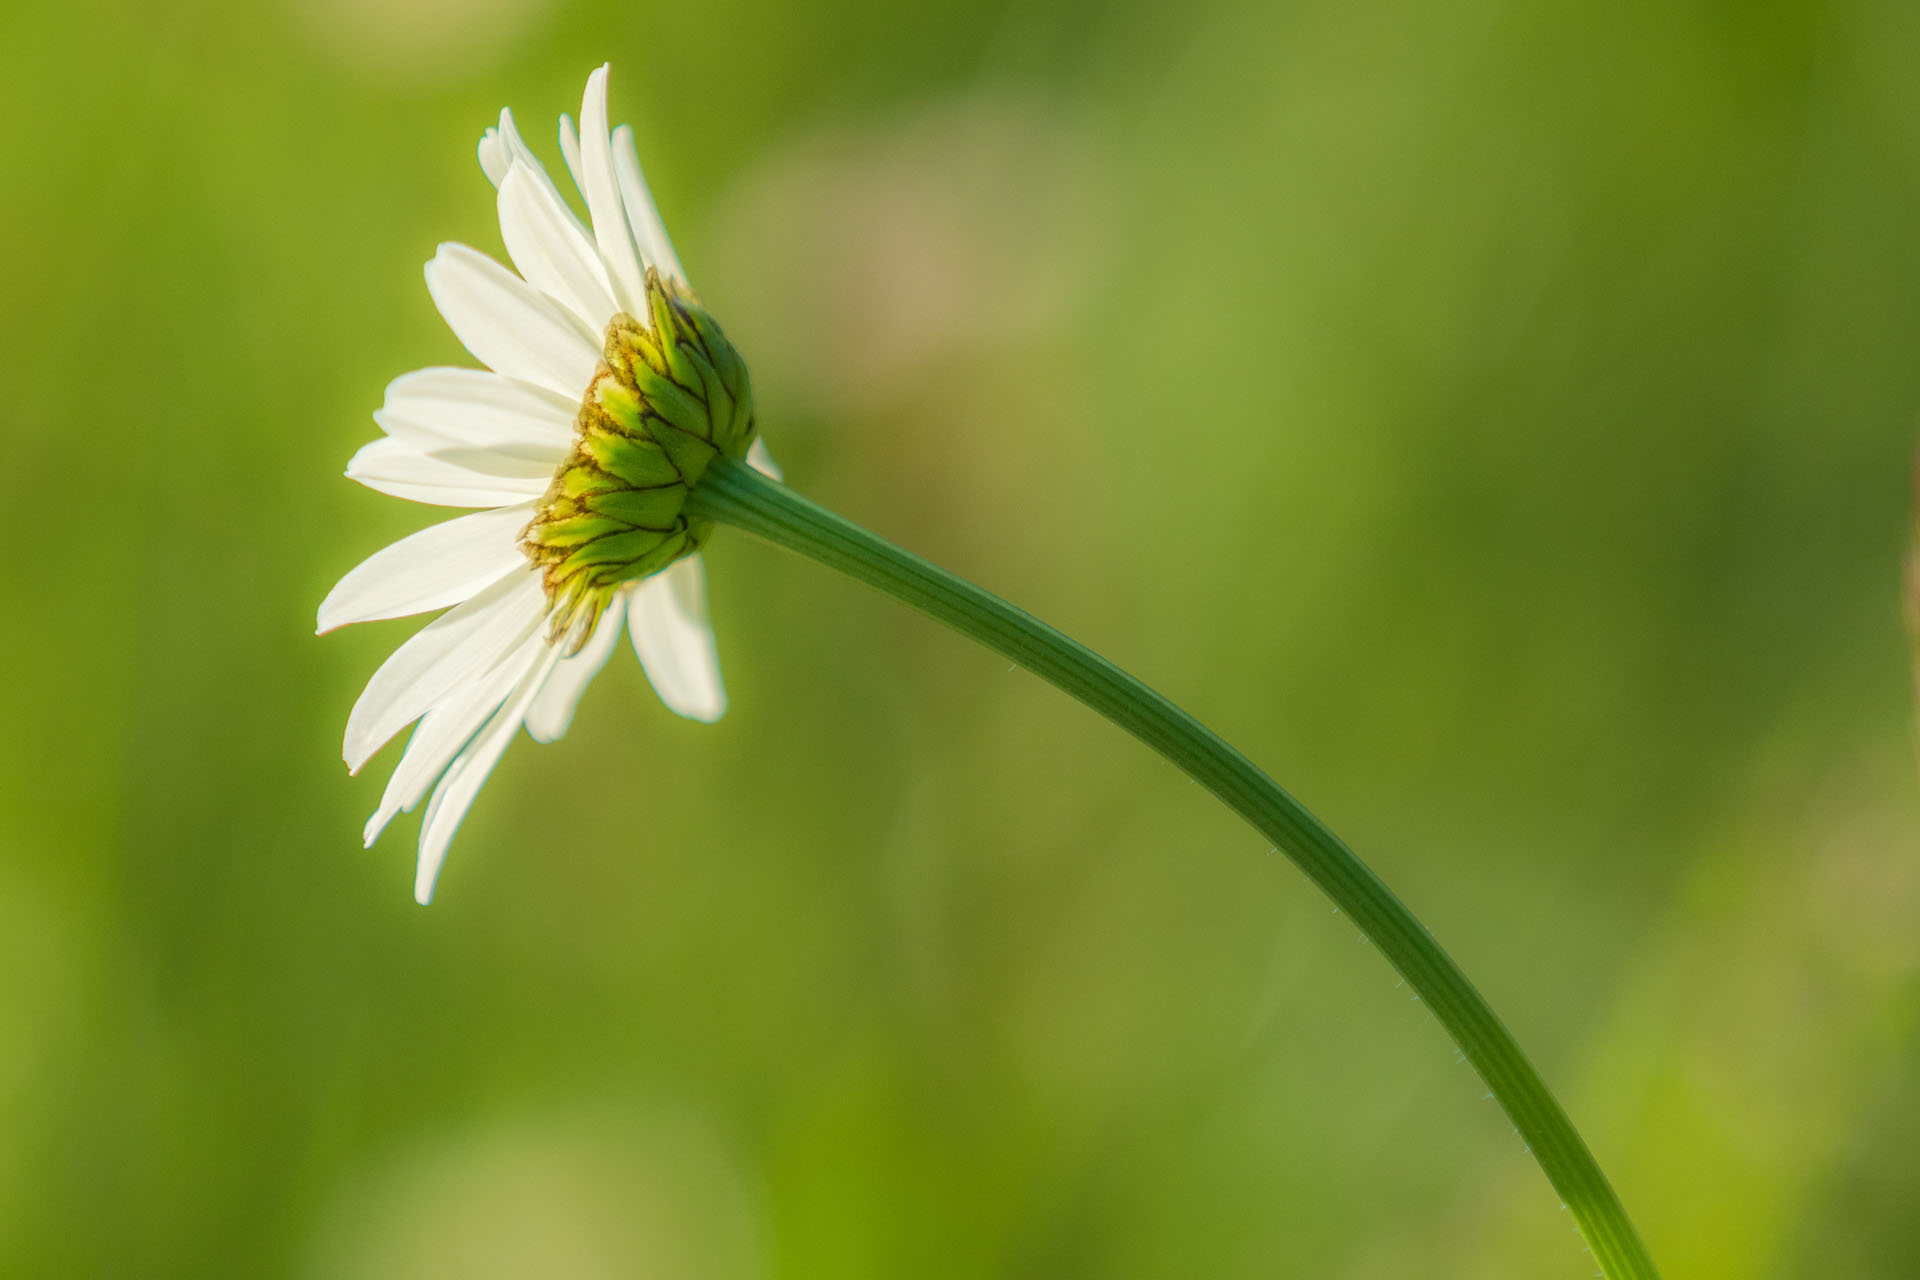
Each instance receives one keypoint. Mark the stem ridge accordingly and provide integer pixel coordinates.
(734, 494)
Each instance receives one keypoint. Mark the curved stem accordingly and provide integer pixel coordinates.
(734, 494)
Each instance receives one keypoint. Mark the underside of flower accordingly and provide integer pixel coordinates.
(670, 394)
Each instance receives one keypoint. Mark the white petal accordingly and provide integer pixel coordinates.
(447, 729)
(551, 250)
(462, 781)
(443, 657)
(524, 154)
(510, 326)
(435, 408)
(496, 157)
(552, 711)
(602, 191)
(761, 459)
(570, 152)
(500, 147)
(671, 635)
(396, 467)
(509, 146)
(649, 232)
(442, 564)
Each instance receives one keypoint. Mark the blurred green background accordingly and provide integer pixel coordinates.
(1497, 418)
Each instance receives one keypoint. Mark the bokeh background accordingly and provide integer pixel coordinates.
(1495, 417)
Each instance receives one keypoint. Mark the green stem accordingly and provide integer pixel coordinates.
(734, 494)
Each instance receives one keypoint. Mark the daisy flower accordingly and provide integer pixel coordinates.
(607, 391)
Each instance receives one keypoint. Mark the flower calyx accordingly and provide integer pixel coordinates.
(669, 395)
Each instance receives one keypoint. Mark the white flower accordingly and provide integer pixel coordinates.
(496, 440)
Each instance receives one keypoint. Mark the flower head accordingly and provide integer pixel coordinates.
(607, 392)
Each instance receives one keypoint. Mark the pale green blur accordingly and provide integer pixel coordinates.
(1496, 418)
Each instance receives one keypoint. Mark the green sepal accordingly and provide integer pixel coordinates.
(630, 546)
(665, 320)
(641, 508)
(620, 403)
(690, 453)
(573, 530)
(641, 463)
(675, 406)
(578, 482)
